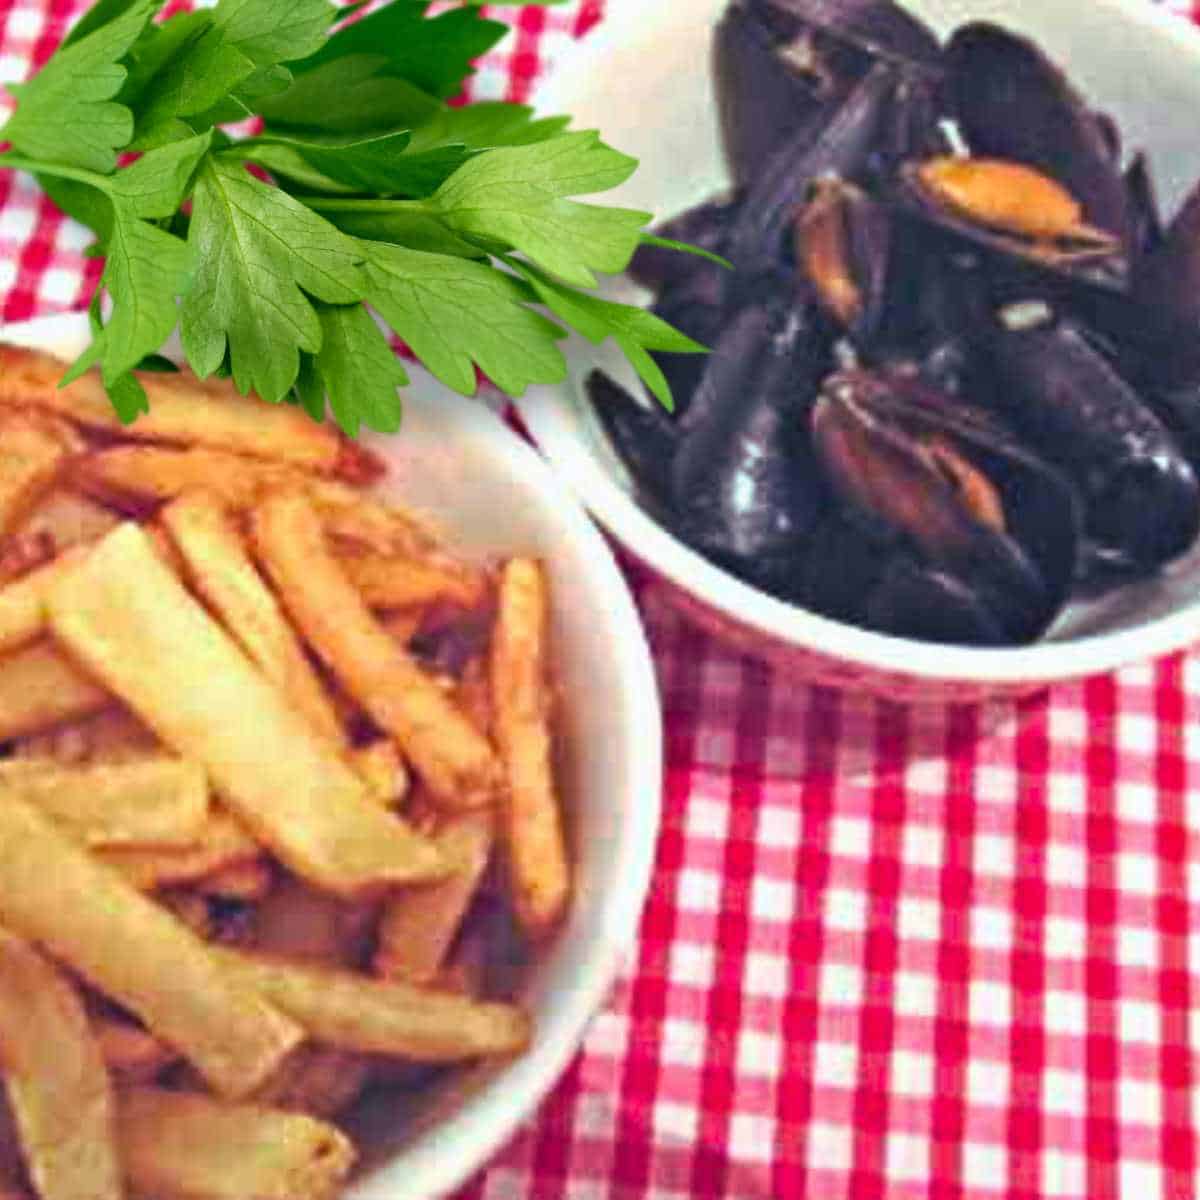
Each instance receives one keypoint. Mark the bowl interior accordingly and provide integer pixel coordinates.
(493, 495)
(656, 60)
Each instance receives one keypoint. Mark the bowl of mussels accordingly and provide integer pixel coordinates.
(947, 440)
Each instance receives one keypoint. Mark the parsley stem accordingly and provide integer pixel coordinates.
(324, 204)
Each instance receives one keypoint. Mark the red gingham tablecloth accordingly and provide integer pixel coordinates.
(886, 954)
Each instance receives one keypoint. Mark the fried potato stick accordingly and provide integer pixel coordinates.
(54, 893)
(351, 1012)
(69, 519)
(246, 881)
(186, 410)
(40, 688)
(188, 1145)
(30, 461)
(56, 1080)
(221, 844)
(411, 582)
(532, 818)
(221, 571)
(125, 615)
(381, 768)
(22, 603)
(156, 802)
(456, 763)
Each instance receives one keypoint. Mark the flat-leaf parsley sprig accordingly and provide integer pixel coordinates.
(461, 229)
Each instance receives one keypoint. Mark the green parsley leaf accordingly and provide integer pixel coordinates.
(517, 196)
(84, 203)
(401, 222)
(485, 125)
(309, 391)
(433, 53)
(128, 398)
(457, 315)
(649, 239)
(254, 248)
(156, 184)
(66, 112)
(358, 370)
(102, 13)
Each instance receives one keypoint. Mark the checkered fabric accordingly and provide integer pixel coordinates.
(917, 955)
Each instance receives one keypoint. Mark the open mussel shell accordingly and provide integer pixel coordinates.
(960, 497)
(1066, 399)
(1013, 103)
(1145, 213)
(880, 27)
(1168, 280)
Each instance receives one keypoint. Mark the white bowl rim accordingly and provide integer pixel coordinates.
(456, 1149)
(616, 510)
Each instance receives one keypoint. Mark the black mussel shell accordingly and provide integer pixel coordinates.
(1145, 213)
(744, 490)
(1067, 400)
(1168, 280)
(1012, 102)
(698, 318)
(708, 226)
(1110, 131)
(915, 601)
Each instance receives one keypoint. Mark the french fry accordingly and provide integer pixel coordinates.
(246, 881)
(30, 461)
(55, 1078)
(351, 1012)
(69, 519)
(54, 893)
(419, 924)
(475, 695)
(401, 626)
(532, 818)
(191, 909)
(186, 410)
(431, 732)
(221, 571)
(22, 603)
(221, 844)
(131, 1054)
(125, 615)
(381, 768)
(188, 1145)
(411, 582)
(40, 688)
(113, 735)
(156, 802)
(318, 1081)
(22, 553)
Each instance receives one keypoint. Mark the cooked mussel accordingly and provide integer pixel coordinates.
(956, 493)
(1013, 103)
(1066, 399)
(643, 435)
(708, 226)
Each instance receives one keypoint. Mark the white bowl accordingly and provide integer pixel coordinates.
(643, 79)
(493, 494)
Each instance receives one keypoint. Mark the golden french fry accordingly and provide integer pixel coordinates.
(419, 924)
(189, 1145)
(411, 582)
(132, 1054)
(242, 881)
(431, 732)
(221, 844)
(351, 1012)
(295, 921)
(54, 893)
(55, 1078)
(125, 615)
(381, 768)
(318, 1081)
(69, 519)
(40, 688)
(30, 461)
(219, 568)
(155, 802)
(186, 410)
(22, 603)
(532, 818)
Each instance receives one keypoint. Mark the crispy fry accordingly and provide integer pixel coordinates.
(55, 893)
(431, 732)
(22, 604)
(222, 843)
(351, 1012)
(186, 410)
(411, 582)
(381, 768)
(40, 688)
(188, 1145)
(221, 571)
(156, 802)
(122, 610)
(56, 1081)
(30, 461)
(132, 1054)
(317, 1081)
(532, 820)
(295, 921)
(242, 881)
(419, 924)
(69, 519)
(401, 626)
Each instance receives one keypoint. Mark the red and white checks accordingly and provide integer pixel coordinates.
(947, 954)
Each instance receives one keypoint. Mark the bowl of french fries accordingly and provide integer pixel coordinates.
(329, 785)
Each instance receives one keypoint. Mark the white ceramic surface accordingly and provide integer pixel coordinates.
(643, 79)
(493, 494)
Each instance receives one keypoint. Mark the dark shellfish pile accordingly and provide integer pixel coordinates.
(955, 370)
